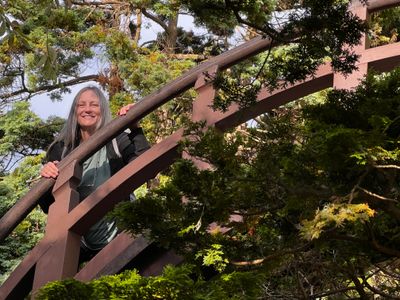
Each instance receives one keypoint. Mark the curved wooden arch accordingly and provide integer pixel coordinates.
(72, 223)
(25, 205)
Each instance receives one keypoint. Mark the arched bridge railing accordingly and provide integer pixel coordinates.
(56, 255)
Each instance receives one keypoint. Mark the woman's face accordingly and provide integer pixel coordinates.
(88, 111)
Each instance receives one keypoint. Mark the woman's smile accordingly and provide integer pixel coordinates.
(88, 112)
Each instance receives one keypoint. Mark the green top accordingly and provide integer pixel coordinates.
(96, 170)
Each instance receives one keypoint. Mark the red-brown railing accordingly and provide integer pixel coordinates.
(56, 255)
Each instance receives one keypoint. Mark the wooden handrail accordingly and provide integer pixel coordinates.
(148, 104)
(376, 5)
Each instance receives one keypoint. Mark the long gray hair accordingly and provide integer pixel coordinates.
(70, 134)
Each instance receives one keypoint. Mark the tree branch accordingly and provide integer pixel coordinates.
(357, 185)
(387, 167)
(197, 57)
(155, 19)
(100, 3)
(372, 242)
(379, 292)
(339, 291)
(139, 14)
(266, 29)
(376, 196)
(358, 285)
(383, 249)
(48, 88)
(392, 263)
(270, 257)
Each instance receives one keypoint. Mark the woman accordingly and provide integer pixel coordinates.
(90, 112)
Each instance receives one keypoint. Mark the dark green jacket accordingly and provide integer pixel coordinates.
(129, 146)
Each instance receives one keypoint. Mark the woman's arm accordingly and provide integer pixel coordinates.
(132, 145)
(136, 143)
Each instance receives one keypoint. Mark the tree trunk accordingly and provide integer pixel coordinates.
(171, 34)
(138, 26)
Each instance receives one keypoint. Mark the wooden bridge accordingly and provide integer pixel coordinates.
(56, 255)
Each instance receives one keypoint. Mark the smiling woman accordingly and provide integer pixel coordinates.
(89, 112)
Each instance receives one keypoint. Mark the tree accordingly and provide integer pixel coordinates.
(23, 134)
(314, 190)
(385, 26)
(302, 206)
(49, 42)
(30, 231)
(175, 283)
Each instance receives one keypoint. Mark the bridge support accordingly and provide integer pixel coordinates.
(61, 260)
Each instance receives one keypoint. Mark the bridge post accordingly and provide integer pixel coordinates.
(202, 110)
(61, 260)
(352, 80)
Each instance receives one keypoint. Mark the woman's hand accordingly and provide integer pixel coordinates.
(124, 109)
(122, 112)
(50, 170)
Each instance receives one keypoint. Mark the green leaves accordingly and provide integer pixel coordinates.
(176, 283)
(311, 188)
(48, 64)
(24, 133)
(335, 216)
(213, 256)
(377, 156)
(45, 45)
(30, 231)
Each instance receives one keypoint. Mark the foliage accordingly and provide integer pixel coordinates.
(335, 215)
(385, 26)
(30, 231)
(23, 133)
(175, 283)
(213, 257)
(49, 43)
(147, 73)
(308, 197)
(296, 26)
(23, 139)
(57, 42)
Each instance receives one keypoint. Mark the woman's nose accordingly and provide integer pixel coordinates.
(88, 108)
